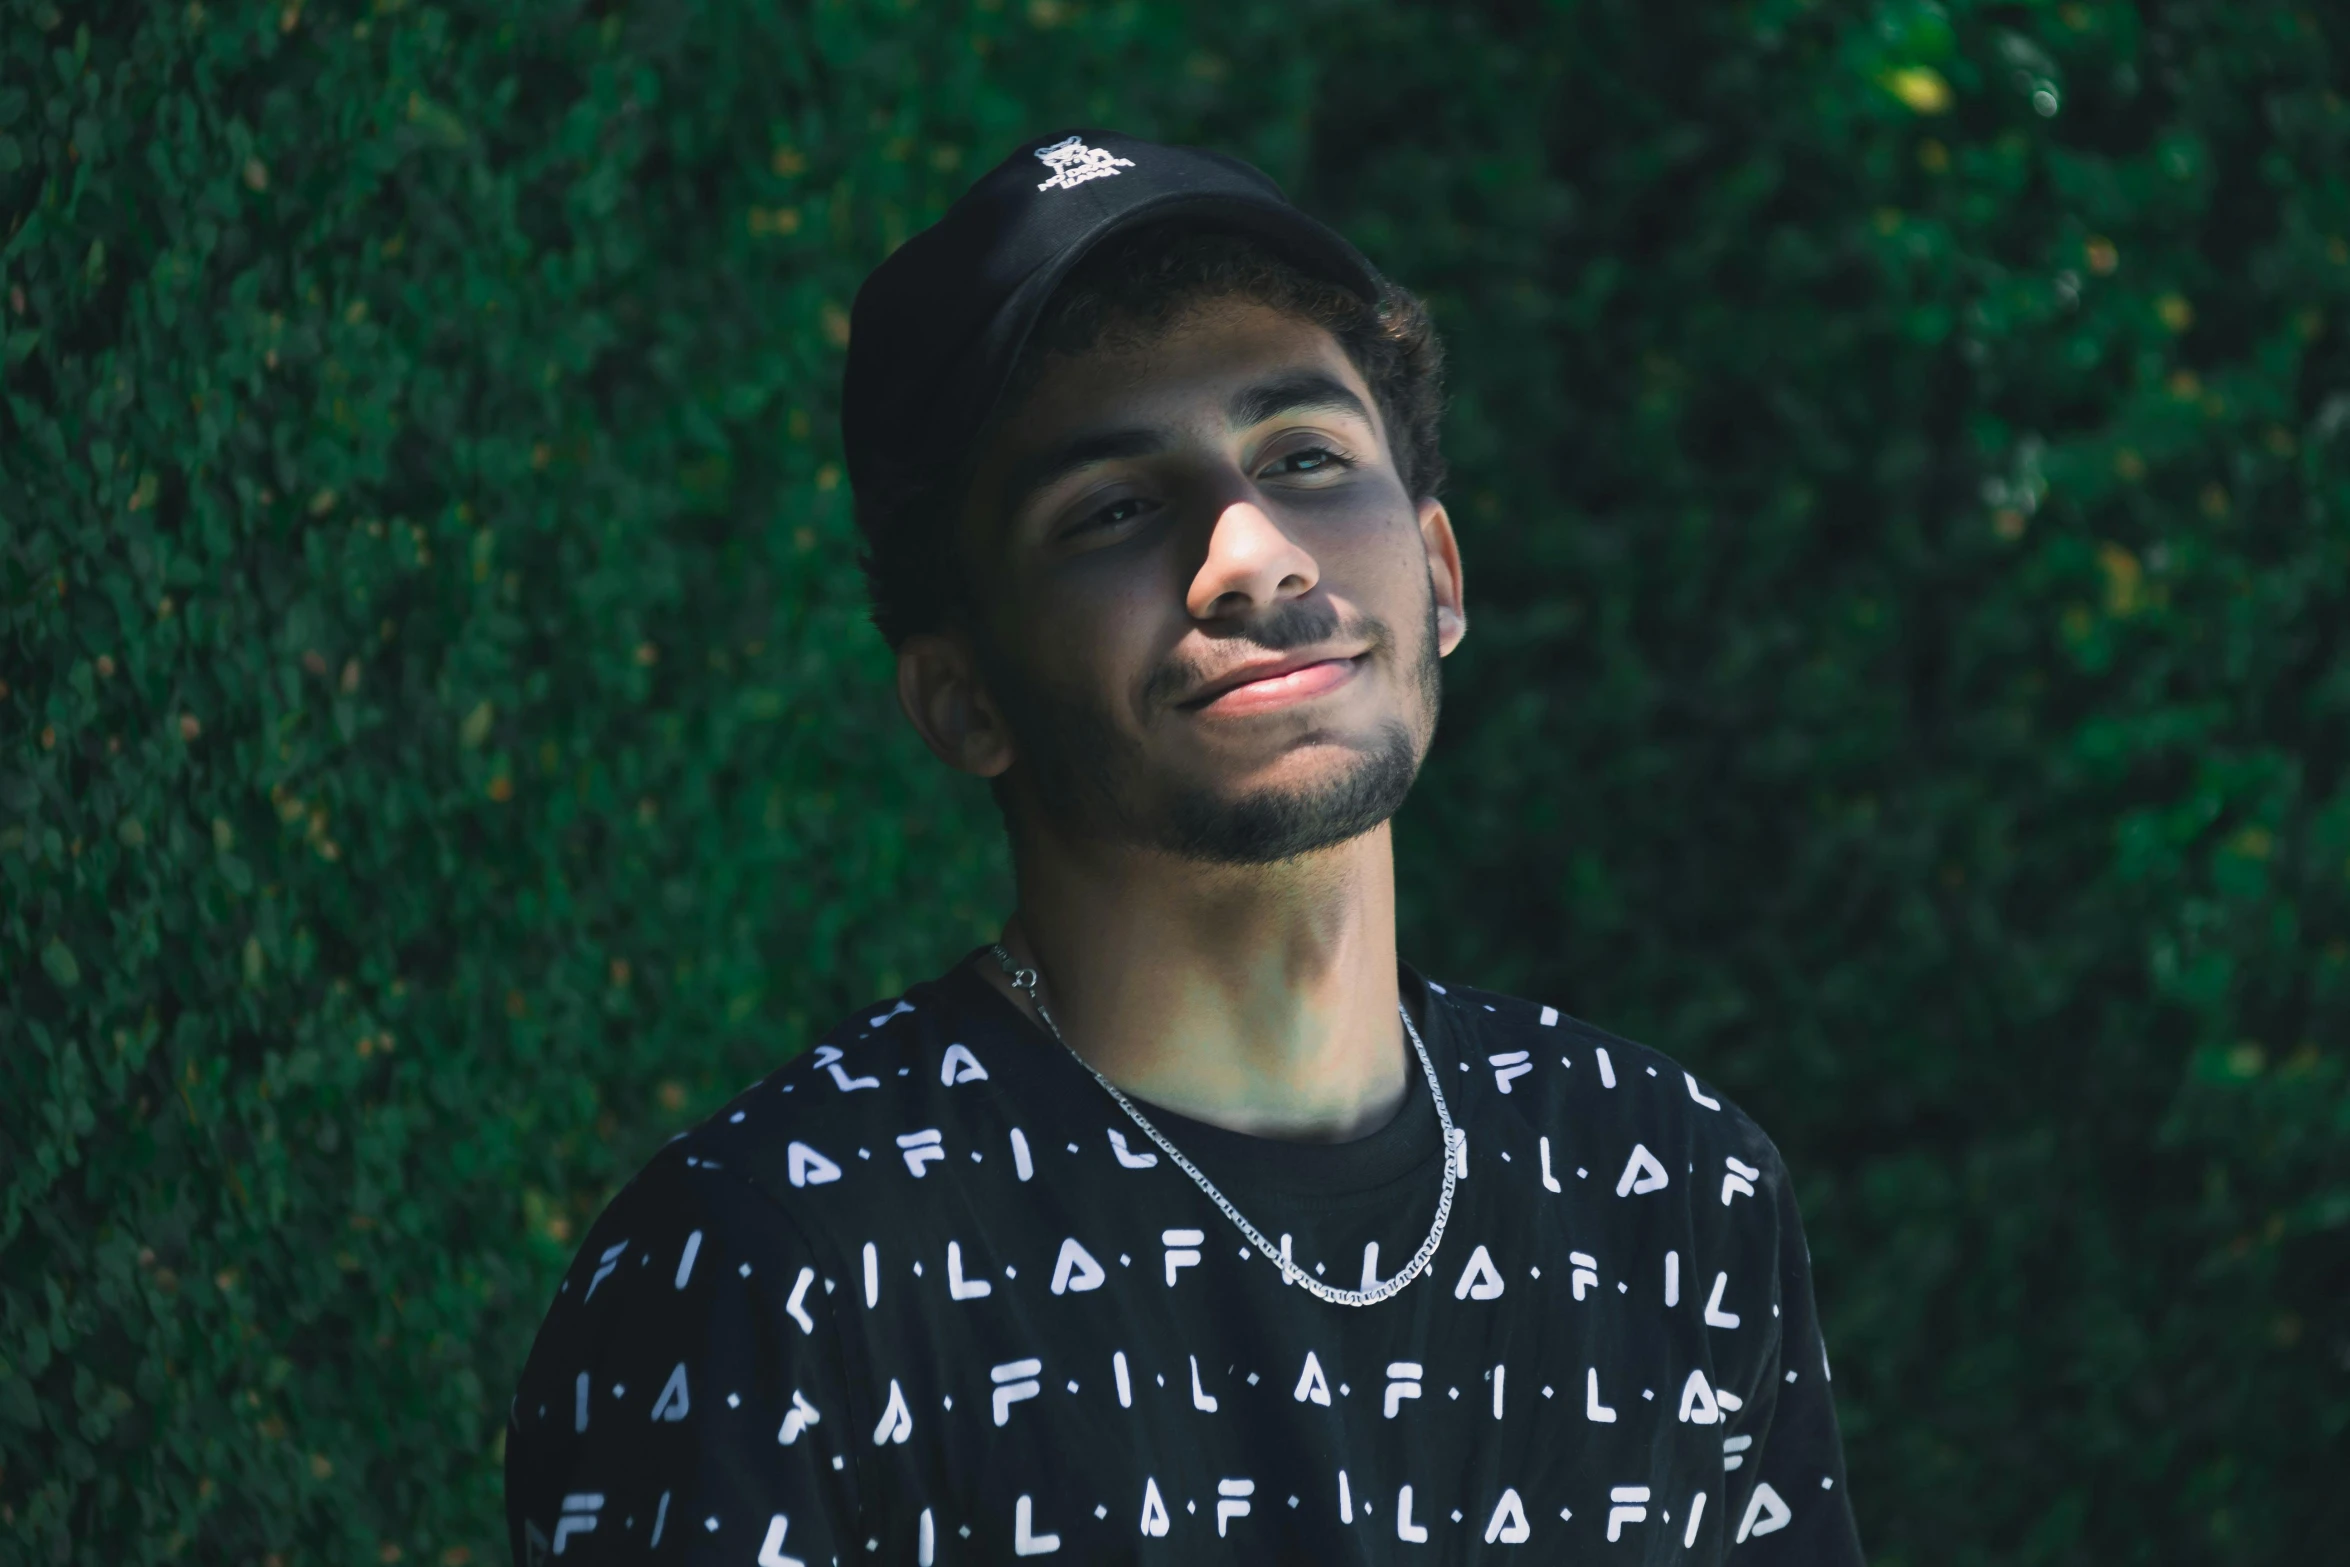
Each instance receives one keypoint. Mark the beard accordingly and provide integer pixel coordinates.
(1087, 777)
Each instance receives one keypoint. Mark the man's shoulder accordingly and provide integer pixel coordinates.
(1553, 1067)
(877, 1111)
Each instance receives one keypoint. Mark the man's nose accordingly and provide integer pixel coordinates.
(1251, 565)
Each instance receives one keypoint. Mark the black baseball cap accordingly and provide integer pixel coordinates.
(936, 328)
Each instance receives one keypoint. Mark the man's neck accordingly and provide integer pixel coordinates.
(1261, 998)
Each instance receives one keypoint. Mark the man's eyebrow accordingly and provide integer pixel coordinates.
(1301, 392)
(1049, 467)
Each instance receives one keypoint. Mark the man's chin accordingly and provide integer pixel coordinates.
(1268, 822)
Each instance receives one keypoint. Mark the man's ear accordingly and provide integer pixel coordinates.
(1444, 574)
(941, 694)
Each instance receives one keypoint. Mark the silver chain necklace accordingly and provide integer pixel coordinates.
(1026, 980)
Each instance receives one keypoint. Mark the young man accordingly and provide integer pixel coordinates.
(1185, 1224)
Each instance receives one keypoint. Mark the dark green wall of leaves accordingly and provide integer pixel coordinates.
(1901, 458)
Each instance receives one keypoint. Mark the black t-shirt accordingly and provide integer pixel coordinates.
(928, 1295)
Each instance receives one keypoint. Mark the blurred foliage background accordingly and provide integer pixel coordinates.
(1900, 454)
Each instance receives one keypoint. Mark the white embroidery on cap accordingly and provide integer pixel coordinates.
(1073, 163)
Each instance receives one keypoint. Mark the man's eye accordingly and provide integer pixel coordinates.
(1107, 517)
(1316, 459)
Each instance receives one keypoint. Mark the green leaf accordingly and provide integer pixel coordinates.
(476, 727)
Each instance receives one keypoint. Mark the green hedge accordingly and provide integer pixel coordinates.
(1901, 466)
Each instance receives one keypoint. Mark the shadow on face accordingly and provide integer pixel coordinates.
(1206, 613)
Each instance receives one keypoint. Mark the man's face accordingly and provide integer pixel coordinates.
(1208, 610)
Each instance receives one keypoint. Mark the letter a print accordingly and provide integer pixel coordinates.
(1154, 1510)
(1479, 1280)
(807, 1167)
(1509, 1526)
(673, 1404)
(1697, 1401)
(798, 1418)
(1766, 1513)
(897, 1421)
(1311, 1385)
(1076, 1270)
(1641, 1173)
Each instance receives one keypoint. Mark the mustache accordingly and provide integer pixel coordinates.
(1298, 623)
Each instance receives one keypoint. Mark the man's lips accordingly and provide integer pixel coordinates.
(1275, 683)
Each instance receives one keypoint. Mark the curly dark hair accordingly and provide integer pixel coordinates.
(1136, 283)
